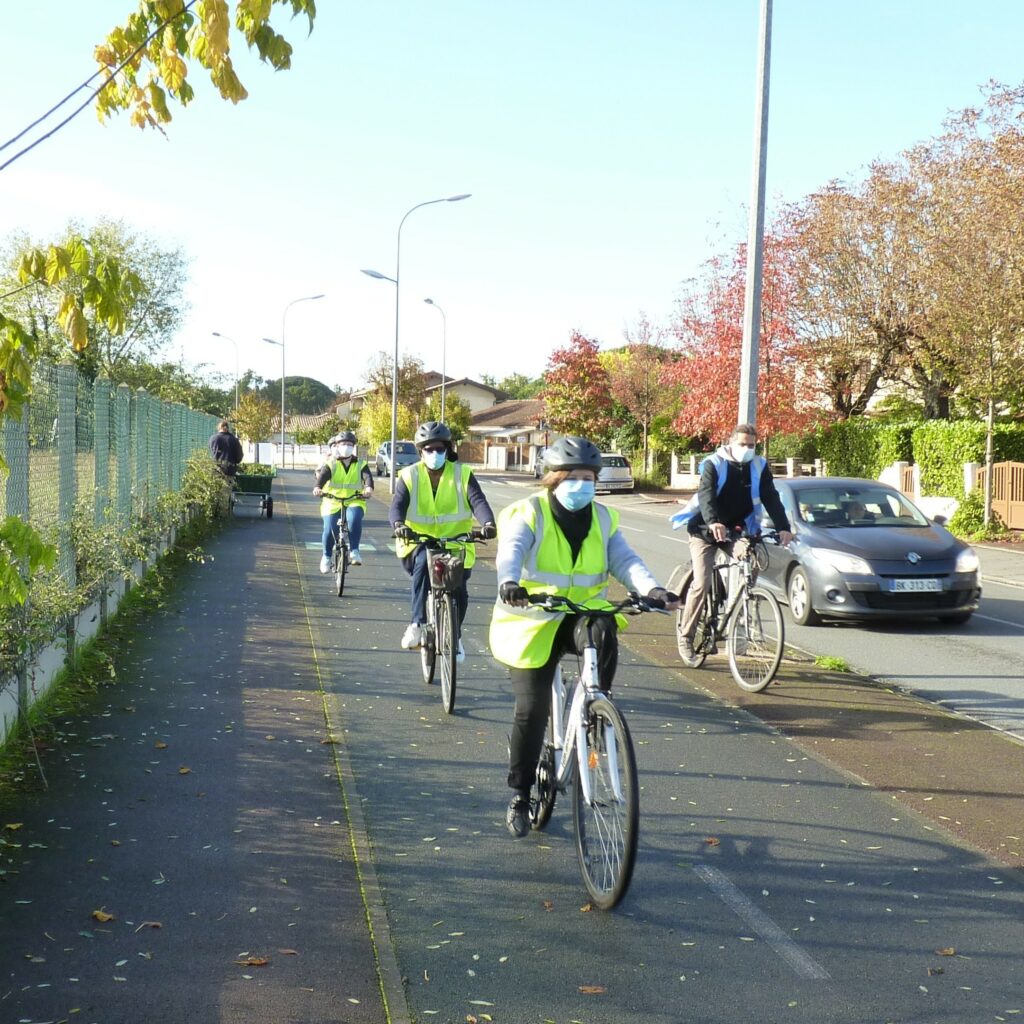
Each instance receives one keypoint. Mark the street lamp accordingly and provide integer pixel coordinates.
(394, 280)
(217, 334)
(444, 347)
(271, 341)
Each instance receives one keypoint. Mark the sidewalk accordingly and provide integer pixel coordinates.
(201, 806)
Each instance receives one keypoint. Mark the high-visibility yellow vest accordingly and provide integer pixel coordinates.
(343, 484)
(523, 637)
(443, 513)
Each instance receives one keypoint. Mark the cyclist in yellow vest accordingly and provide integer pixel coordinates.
(558, 541)
(342, 476)
(438, 497)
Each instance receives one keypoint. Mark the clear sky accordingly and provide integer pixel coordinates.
(607, 145)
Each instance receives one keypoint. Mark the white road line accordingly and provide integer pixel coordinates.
(1002, 622)
(634, 529)
(678, 540)
(802, 963)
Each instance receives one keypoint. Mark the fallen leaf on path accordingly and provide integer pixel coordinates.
(184, 771)
(102, 916)
(549, 906)
(592, 990)
(586, 908)
(160, 745)
(288, 952)
(253, 961)
(713, 841)
(946, 951)
(14, 826)
(149, 924)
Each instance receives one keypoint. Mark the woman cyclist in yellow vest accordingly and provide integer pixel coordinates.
(558, 541)
(438, 497)
(342, 476)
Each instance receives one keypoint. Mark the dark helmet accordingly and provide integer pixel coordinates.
(432, 430)
(332, 440)
(345, 437)
(572, 453)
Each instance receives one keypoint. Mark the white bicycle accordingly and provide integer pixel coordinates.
(589, 746)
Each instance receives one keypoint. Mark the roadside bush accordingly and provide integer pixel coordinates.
(968, 521)
(850, 447)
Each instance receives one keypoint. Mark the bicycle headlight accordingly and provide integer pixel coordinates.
(842, 562)
(966, 561)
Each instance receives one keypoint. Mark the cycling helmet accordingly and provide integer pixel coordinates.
(333, 440)
(572, 453)
(432, 430)
(345, 437)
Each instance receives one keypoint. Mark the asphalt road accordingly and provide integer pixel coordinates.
(770, 886)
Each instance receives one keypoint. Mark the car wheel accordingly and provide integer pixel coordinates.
(798, 593)
(956, 619)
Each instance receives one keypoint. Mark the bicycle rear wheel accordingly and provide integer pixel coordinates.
(428, 651)
(606, 827)
(543, 791)
(447, 644)
(754, 640)
(340, 566)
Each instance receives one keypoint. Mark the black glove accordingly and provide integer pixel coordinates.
(512, 593)
(658, 597)
(403, 532)
(488, 531)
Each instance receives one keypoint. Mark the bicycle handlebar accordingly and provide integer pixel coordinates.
(632, 603)
(437, 543)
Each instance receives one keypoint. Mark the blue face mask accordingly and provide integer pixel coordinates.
(434, 460)
(575, 494)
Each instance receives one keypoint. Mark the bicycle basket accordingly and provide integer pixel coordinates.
(446, 570)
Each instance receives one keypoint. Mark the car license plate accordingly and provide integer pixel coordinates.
(905, 586)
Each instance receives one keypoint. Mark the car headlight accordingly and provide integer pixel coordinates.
(966, 561)
(842, 562)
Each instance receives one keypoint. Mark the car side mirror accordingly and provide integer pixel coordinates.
(939, 520)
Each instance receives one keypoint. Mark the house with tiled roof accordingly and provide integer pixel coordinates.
(508, 434)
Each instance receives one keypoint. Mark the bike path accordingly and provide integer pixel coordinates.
(200, 804)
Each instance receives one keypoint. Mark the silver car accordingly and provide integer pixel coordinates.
(863, 550)
(616, 473)
(406, 455)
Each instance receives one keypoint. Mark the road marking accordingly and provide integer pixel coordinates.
(634, 529)
(802, 963)
(1003, 622)
(678, 540)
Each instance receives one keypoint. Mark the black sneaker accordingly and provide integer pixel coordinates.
(517, 817)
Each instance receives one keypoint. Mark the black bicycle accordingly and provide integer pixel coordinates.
(746, 616)
(342, 546)
(446, 558)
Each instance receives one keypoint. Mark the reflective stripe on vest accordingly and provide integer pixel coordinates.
(753, 521)
(343, 484)
(523, 637)
(443, 513)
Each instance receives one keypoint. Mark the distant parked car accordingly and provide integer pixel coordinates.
(538, 463)
(863, 550)
(405, 455)
(616, 474)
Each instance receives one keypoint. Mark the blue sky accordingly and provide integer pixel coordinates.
(607, 146)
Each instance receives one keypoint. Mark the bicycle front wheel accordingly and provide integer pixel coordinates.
(606, 826)
(428, 650)
(340, 567)
(754, 639)
(447, 643)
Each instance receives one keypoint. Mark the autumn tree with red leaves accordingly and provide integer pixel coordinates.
(576, 391)
(709, 327)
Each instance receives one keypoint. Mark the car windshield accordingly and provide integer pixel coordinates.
(405, 448)
(614, 462)
(867, 506)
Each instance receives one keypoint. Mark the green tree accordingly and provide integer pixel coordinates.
(303, 395)
(375, 421)
(256, 418)
(457, 413)
(411, 390)
(516, 385)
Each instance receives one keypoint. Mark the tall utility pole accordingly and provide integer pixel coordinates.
(755, 235)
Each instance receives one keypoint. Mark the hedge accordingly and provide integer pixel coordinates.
(941, 448)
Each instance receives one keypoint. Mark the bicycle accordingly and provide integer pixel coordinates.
(746, 616)
(589, 746)
(342, 546)
(441, 631)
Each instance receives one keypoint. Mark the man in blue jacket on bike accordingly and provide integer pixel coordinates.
(734, 485)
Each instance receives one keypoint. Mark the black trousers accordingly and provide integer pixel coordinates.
(532, 689)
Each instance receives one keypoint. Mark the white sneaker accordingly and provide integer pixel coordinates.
(354, 558)
(412, 637)
(460, 654)
(325, 564)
